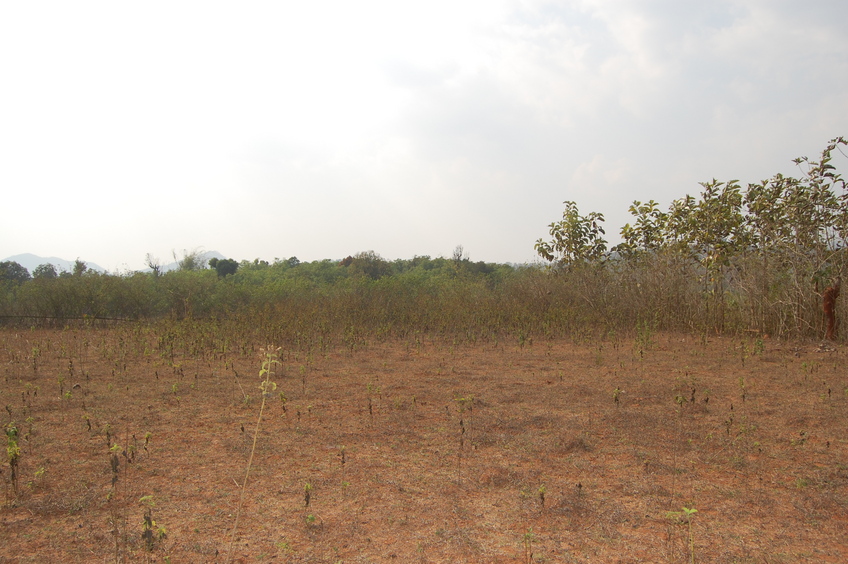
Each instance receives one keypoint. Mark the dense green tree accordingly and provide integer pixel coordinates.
(80, 268)
(226, 267)
(11, 271)
(369, 264)
(45, 271)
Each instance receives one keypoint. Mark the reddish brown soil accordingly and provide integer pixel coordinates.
(550, 468)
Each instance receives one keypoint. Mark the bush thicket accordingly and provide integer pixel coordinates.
(730, 260)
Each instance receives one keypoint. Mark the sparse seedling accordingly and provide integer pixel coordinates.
(527, 541)
(685, 517)
(461, 448)
(307, 494)
(343, 460)
(688, 512)
(151, 532)
(373, 390)
(114, 462)
(644, 337)
(13, 454)
(802, 438)
(267, 386)
(114, 517)
(467, 404)
(37, 478)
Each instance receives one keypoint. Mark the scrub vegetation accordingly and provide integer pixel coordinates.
(730, 260)
(669, 399)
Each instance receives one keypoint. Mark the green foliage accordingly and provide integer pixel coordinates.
(713, 232)
(80, 268)
(13, 452)
(648, 233)
(45, 271)
(11, 271)
(192, 260)
(224, 267)
(729, 259)
(685, 516)
(368, 264)
(576, 239)
(743, 258)
(150, 530)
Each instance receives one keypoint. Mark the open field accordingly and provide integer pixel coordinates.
(425, 450)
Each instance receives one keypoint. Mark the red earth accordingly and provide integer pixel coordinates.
(677, 449)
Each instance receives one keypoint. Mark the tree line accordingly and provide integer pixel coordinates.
(732, 259)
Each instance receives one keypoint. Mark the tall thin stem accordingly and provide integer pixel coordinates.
(266, 386)
(244, 484)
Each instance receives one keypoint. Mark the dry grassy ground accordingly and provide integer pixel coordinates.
(428, 452)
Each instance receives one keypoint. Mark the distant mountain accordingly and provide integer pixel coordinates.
(31, 261)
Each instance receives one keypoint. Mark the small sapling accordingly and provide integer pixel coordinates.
(267, 386)
(150, 530)
(13, 453)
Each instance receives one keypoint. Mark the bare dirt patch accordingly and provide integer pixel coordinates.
(427, 451)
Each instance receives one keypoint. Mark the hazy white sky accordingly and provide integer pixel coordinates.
(325, 128)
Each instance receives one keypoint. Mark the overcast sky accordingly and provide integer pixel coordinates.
(321, 129)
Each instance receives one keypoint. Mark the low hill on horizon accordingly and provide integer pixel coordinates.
(31, 262)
